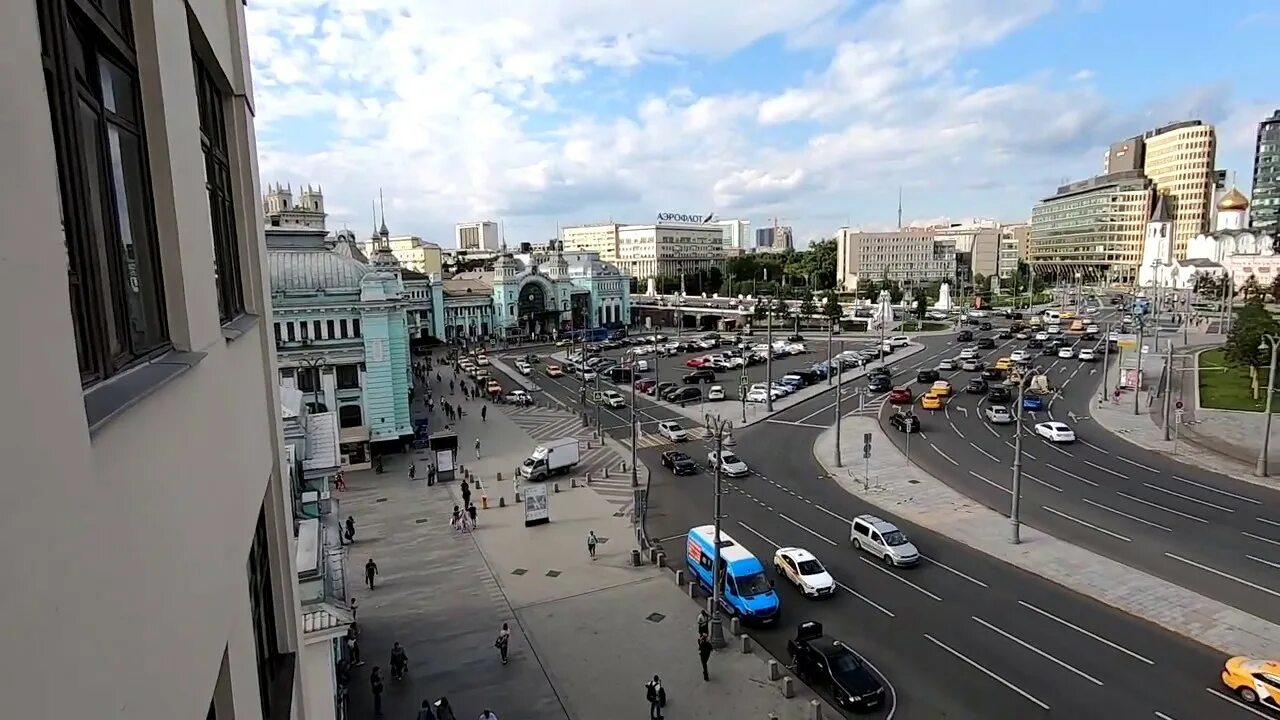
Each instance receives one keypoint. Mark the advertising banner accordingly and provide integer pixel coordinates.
(536, 508)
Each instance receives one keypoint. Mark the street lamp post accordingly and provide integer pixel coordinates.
(1015, 522)
(1137, 372)
(315, 364)
(716, 427)
(768, 357)
(1079, 290)
(838, 390)
(830, 329)
(1267, 338)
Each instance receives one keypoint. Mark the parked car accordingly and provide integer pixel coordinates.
(663, 388)
(686, 394)
(701, 375)
(715, 392)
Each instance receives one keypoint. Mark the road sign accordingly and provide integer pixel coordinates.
(1177, 416)
(1178, 405)
(866, 445)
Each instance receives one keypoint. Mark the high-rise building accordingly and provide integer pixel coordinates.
(602, 239)
(1179, 160)
(1264, 208)
(481, 235)
(1014, 239)
(1124, 155)
(911, 256)
(1094, 228)
(977, 246)
(737, 234)
(149, 525)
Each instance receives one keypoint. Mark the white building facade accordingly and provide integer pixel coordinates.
(737, 234)
(669, 249)
(481, 235)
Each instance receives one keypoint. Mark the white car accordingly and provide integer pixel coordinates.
(587, 374)
(1092, 329)
(672, 431)
(760, 395)
(998, 415)
(1055, 432)
(1019, 356)
(899, 341)
(882, 539)
(524, 368)
(803, 570)
(978, 313)
(613, 399)
(1067, 352)
(716, 392)
(1087, 355)
(947, 364)
(1042, 336)
(968, 354)
(482, 360)
(729, 464)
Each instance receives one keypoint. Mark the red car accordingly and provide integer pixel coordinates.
(900, 396)
(645, 385)
(696, 362)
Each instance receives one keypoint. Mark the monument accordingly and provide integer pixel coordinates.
(944, 298)
(651, 290)
(882, 316)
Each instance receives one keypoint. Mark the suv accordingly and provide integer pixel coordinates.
(905, 422)
(825, 661)
(927, 376)
(986, 343)
(684, 395)
(672, 431)
(883, 539)
(964, 336)
(701, 375)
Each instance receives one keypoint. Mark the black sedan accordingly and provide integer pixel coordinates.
(992, 374)
(927, 376)
(999, 394)
(879, 384)
(905, 422)
(986, 343)
(680, 463)
(977, 386)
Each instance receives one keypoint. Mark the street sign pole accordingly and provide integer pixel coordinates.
(866, 460)
(838, 413)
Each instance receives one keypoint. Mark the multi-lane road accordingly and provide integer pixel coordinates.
(962, 635)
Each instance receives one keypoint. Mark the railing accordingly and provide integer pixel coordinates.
(640, 511)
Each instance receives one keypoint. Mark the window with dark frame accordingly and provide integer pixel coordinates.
(329, 326)
(315, 330)
(355, 328)
(308, 379)
(350, 416)
(348, 377)
(108, 219)
(262, 607)
(212, 108)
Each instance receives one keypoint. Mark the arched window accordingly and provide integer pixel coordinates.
(350, 416)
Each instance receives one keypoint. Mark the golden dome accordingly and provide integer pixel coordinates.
(1233, 200)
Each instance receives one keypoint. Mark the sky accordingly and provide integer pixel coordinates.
(568, 112)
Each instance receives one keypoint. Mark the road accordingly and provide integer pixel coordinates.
(963, 635)
(1212, 534)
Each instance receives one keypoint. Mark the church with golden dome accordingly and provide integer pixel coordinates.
(1232, 248)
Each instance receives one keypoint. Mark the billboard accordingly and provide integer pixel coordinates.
(699, 219)
(536, 508)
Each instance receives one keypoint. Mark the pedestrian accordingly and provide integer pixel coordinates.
(704, 654)
(503, 642)
(353, 647)
(488, 714)
(443, 710)
(451, 383)
(426, 713)
(340, 482)
(704, 622)
(375, 686)
(370, 571)
(657, 697)
(413, 470)
(431, 475)
(351, 529)
(400, 662)
(592, 541)
(471, 512)
(466, 493)
(437, 378)
(484, 412)
(457, 516)
(477, 448)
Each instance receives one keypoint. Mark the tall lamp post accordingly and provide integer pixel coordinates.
(1015, 520)
(1267, 339)
(768, 356)
(717, 428)
(315, 364)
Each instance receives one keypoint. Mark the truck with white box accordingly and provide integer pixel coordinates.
(554, 457)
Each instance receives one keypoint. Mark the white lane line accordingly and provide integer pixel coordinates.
(1070, 474)
(798, 424)
(992, 484)
(1188, 498)
(1263, 561)
(954, 571)
(900, 579)
(1038, 651)
(953, 427)
(1162, 716)
(1135, 518)
(1109, 471)
(1135, 463)
(1054, 447)
(1219, 573)
(923, 436)
(990, 429)
(948, 457)
(1236, 702)
(1269, 522)
(1091, 526)
(1211, 488)
(755, 532)
(1259, 537)
(1082, 631)
(1158, 506)
(1088, 444)
(821, 537)
(986, 672)
(834, 515)
(984, 452)
(1035, 479)
(864, 598)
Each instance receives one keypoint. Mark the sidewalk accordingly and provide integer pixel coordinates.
(907, 491)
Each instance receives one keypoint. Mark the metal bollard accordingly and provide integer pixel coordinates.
(815, 710)
(622, 466)
(517, 496)
(788, 687)
(693, 589)
(502, 501)
(746, 644)
(635, 558)
(573, 482)
(679, 577)
(653, 554)
(606, 471)
(660, 560)
(735, 626)
(588, 478)
(775, 670)
(484, 502)
(556, 487)
(499, 477)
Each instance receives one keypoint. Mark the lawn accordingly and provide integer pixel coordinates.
(917, 326)
(1230, 389)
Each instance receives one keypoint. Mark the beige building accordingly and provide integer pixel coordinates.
(977, 246)
(669, 249)
(601, 239)
(911, 256)
(1178, 159)
(147, 523)
(1094, 228)
(413, 252)
(1014, 245)
(483, 235)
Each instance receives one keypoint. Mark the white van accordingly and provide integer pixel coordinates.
(882, 539)
(1053, 316)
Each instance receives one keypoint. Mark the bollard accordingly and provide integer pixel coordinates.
(788, 687)
(635, 558)
(556, 487)
(746, 644)
(711, 609)
(588, 478)
(517, 496)
(775, 670)
(661, 560)
(622, 466)
(606, 471)
(679, 577)
(693, 589)
(499, 477)
(502, 501)
(735, 626)
(653, 554)
(773, 716)
(484, 502)
(815, 710)
(573, 482)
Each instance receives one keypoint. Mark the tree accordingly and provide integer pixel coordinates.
(922, 306)
(980, 284)
(807, 307)
(1252, 291)
(831, 306)
(870, 290)
(1252, 322)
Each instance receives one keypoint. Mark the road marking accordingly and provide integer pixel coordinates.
(1162, 716)
(797, 424)
(1070, 474)
(986, 672)
(753, 531)
(954, 571)
(1234, 701)
(1081, 630)
(864, 598)
(1148, 468)
(1135, 518)
(659, 541)
(1259, 537)
(1188, 498)
(1264, 562)
(948, 457)
(1106, 470)
(1088, 444)
(990, 429)
(1035, 479)
(1054, 447)
(899, 578)
(1210, 488)
(1158, 506)
(1269, 522)
(1038, 651)
(1228, 576)
(802, 527)
(993, 484)
(984, 452)
(953, 427)
(1091, 526)
(834, 515)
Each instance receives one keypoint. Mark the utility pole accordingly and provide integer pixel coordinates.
(830, 369)
(717, 428)
(768, 356)
(635, 481)
(742, 390)
(838, 415)
(1260, 468)
(599, 431)
(1015, 521)
(1168, 391)
(582, 374)
(1137, 373)
(1106, 358)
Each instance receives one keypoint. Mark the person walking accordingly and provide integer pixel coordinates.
(466, 493)
(704, 622)
(503, 642)
(477, 448)
(443, 710)
(657, 697)
(451, 384)
(340, 482)
(351, 529)
(413, 470)
(704, 654)
(426, 713)
(484, 413)
(353, 647)
(400, 662)
(375, 686)
(456, 520)
(370, 571)
(471, 513)
(592, 541)
(487, 714)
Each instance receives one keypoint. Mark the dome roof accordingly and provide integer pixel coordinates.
(313, 269)
(1233, 200)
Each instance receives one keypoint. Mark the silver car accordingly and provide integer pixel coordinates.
(998, 415)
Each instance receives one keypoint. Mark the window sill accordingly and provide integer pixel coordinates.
(107, 400)
(238, 326)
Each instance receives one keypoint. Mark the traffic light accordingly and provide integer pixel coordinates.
(866, 445)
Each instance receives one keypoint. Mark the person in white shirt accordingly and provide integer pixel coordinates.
(488, 715)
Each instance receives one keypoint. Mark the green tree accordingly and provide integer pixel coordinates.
(870, 290)
(1252, 291)
(922, 306)
(1252, 322)
(807, 307)
(831, 306)
(980, 284)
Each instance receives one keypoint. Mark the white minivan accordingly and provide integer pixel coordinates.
(882, 539)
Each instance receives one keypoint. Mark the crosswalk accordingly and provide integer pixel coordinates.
(548, 424)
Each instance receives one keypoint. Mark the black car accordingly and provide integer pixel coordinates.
(879, 384)
(992, 374)
(964, 336)
(927, 376)
(880, 371)
(1050, 349)
(1016, 316)
(999, 394)
(680, 463)
(1034, 343)
(795, 338)
(684, 395)
(986, 343)
(1005, 334)
(826, 662)
(977, 386)
(984, 326)
(904, 422)
(701, 375)
(662, 389)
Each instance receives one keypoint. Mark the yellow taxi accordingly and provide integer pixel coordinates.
(555, 371)
(931, 401)
(1077, 326)
(1257, 682)
(1066, 315)
(941, 388)
(1004, 363)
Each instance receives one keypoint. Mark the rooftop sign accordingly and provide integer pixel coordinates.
(683, 218)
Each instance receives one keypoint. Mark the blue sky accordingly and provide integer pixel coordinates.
(575, 111)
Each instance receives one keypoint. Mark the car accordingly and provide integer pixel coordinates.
(803, 570)
(611, 398)
(524, 368)
(999, 394)
(1032, 402)
(1067, 353)
(884, 371)
(554, 371)
(964, 336)
(663, 388)
(696, 362)
(879, 384)
(992, 373)
(971, 365)
(1023, 335)
(1042, 336)
(928, 376)
(1019, 356)
(715, 392)
(998, 414)
(519, 397)
(759, 395)
(947, 364)
(986, 343)
(1035, 344)
(978, 313)
(899, 341)
(968, 354)
(826, 662)
(685, 394)
(728, 463)
(587, 374)
(645, 385)
(905, 422)
(1255, 681)
(901, 396)
(701, 375)
(931, 402)
(883, 539)
(985, 326)
(482, 359)
(976, 386)
(1055, 432)
(941, 387)
(1005, 334)
(673, 431)
(680, 463)
(1050, 350)
(1087, 355)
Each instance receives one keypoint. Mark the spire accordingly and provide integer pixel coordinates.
(382, 229)
(899, 207)
(1161, 212)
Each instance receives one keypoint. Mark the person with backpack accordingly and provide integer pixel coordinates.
(375, 686)
(657, 697)
(400, 662)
